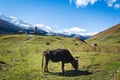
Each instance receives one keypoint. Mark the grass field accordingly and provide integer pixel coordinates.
(21, 56)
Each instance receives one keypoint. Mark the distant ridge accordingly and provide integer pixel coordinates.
(7, 28)
(113, 29)
(79, 40)
(29, 28)
(109, 36)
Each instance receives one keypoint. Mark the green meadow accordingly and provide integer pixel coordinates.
(21, 58)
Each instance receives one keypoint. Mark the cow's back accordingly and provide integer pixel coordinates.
(60, 55)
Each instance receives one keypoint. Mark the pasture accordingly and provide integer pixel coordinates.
(21, 57)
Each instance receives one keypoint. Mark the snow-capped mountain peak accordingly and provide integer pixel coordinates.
(13, 17)
(44, 29)
(5, 18)
(16, 21)
(28, 28)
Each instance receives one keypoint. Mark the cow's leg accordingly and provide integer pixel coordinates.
(46, 66)
(63, 67)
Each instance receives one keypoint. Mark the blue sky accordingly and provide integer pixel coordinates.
(78, 16)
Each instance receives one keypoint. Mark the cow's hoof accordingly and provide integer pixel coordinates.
(63, 73)
(47, 71)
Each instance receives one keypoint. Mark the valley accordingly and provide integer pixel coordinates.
(59, 39)
(21, 59)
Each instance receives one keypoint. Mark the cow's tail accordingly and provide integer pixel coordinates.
(42, 62)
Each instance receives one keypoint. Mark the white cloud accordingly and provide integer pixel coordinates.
(14, 20)
(110, 2)
(71, 30)
(44, 27)
(75, 30)
(117, 6)
(25, 25)
(40, 25)
(13, 17)
(55, 26)
(70, 1)
(68, 31)
(48, 28)
(113, 3)
(88, 34)
(83, 3)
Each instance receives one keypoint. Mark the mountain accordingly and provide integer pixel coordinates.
(6, 27)
(28, 28)
(83, 37)
(79, 40)
(16, 21)
(109, 36)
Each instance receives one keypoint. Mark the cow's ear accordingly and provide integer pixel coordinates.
(49, 51)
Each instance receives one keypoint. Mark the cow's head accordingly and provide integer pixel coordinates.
(75, 64)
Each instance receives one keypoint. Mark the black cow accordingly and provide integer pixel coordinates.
(57, 55)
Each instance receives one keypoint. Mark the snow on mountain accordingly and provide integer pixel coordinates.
(16, 21)
(8, 28)
(5, 18)
(42, 29)
(28, 28)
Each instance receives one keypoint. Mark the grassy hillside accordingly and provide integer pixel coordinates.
(110, 36)
(21, 56)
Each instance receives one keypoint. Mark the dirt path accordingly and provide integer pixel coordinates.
(29, 37)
